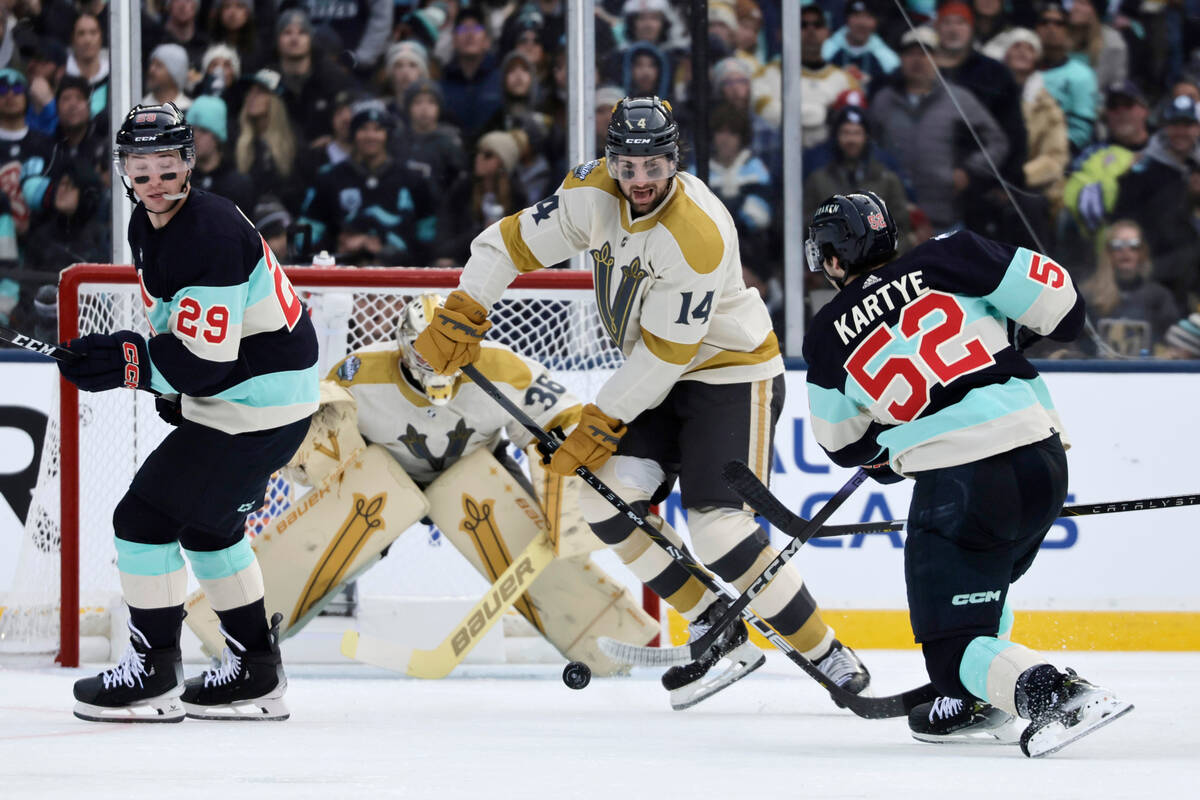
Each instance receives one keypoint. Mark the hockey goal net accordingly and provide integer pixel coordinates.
(66, 584)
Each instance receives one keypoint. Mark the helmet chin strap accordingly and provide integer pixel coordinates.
(175, 197)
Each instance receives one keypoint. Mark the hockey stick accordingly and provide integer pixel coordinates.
(866, 707)
(508, 588)
(1080, 510)
(36, 345)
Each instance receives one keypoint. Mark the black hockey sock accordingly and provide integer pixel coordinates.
(160, 626)
(247, 624)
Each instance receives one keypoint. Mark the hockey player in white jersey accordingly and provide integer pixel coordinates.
(702, 382)
(395, 442)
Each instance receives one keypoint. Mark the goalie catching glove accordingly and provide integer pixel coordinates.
(107, 361)
(451, 341)
(592, 442)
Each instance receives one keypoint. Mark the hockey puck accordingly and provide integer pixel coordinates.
(577, 675)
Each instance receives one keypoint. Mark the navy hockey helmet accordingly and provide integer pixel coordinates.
(155, 129)
(857, 228)
(642, 126)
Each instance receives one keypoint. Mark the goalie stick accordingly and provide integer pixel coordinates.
(866, 707)
(1078, 510)
(507, 589)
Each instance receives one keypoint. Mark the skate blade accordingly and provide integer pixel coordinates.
(688, 696)
(1092, 719)
(165, 708)
(268, 708)
(1008, 733)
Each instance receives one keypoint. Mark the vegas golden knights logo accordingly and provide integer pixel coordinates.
(479, 522)
(615, 309)
(457, 440)
(363, 520)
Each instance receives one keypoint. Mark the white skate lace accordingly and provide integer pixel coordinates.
(839, 666)
(128, 672)
(945, 707)
(231, 665)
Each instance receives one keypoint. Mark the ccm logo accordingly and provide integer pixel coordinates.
(637, 141)
(975, 597)
(133, 374)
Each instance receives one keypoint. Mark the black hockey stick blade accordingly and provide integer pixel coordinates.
(36, 345)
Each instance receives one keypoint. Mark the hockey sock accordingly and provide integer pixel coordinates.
(1006, 622)
(154, 583)
(233, 583)
(248, 625)
(990, 668)
(160, 626)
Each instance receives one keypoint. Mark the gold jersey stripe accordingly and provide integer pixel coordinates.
(668, 351)
(522, 257)
(694, 231)
(766, 351)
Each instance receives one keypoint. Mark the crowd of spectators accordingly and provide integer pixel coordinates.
(391, 132)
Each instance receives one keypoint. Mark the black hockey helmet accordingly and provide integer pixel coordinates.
(155, 129)
(857, 228)
(642, 126)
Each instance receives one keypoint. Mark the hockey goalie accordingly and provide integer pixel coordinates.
(394, 443)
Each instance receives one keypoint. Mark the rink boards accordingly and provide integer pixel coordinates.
(1121, 581)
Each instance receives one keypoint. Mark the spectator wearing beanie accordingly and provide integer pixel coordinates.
(858, 49)
(432, 146)
(405, 64)
(485, 195)
(310, 80)
(77, 136)
(214, 171)
(370, 208)
(855, 167)
(732, 84)
(166, 76)
(471, 79)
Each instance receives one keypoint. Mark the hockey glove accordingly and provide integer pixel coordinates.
(107, 361)
(882, 472)
(169, 409)
(451, 341)
(594, 439)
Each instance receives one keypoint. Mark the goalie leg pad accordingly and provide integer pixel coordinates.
(487, 515)
(327, 537)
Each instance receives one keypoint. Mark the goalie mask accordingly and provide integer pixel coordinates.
(414, 319)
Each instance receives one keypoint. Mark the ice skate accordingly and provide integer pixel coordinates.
(246, 685)
(948, 719)
(843, 666)
(690, 683)
(1063, 707)
(144, 687)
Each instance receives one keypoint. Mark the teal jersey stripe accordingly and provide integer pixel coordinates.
(977, 661)
(211, 566)
(232, 297)
(1042, 391)
(261, 285)
(136, 558)
(978, 406)
(831, 405)
(1006, 619)
(1017, 292)
(288, 388)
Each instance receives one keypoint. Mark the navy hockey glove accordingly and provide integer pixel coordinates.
(107, 361)
(882, 472)
(169, 409)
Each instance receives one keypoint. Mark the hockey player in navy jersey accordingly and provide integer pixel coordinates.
(233, 355)
(912, 373)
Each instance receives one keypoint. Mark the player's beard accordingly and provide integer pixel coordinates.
(643, 198)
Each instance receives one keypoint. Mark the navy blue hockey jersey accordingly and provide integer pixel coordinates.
(913, 360)
(230, 335)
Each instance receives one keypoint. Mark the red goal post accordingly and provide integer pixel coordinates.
(547, 315)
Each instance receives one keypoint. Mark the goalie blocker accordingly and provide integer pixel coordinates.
(362, 500)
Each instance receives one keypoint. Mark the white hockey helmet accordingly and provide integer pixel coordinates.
(414, 319)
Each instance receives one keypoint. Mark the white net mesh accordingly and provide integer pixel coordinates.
(554, 321)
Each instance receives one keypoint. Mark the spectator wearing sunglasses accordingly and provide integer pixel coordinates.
(471, 82)
(24, 154)
(1071, 82)
(1131, 311)
(820, 81)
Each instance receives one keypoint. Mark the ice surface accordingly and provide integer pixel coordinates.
(518, 732)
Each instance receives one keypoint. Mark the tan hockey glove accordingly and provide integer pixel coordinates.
(452, 339)
(594, 439)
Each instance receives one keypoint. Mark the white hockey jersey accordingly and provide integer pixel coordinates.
(668, 284)
(427, 439)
